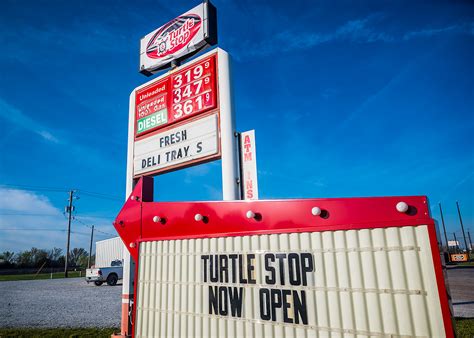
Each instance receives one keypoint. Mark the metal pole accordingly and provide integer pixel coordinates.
(470, 241)
(456, 246)
(230, 166)
(444, 230)
(241, 173)
(462, 228)
(69, 210)
(90, 248)
(128, 263)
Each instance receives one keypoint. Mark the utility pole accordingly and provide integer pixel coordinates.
(90, 248)
(470, 241)
(444, 230)
(69, 211)
(462, 228)
(456, 246)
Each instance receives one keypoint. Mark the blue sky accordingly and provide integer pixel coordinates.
(365, 99)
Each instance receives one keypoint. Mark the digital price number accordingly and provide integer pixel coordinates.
(193, 90)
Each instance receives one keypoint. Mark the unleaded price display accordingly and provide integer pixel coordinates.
(186, 93)
(193, 90)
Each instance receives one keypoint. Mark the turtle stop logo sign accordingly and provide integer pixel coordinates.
(180, 38)
(173, 36)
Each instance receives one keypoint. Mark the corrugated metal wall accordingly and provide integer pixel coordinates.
(107, 251)
(371, 282)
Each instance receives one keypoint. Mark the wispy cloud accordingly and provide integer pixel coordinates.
(21, 120)
(79, 150)
(361, 30)
(467, 28)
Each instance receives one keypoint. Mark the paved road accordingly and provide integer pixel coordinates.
(461, 284)
(59, 303)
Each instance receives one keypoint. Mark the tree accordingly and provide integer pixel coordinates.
(77, 257)
(24, 259)
(39, 257)
(8, 257)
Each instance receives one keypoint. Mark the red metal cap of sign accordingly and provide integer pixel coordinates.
(141, 219)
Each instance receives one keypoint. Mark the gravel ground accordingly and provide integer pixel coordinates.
(461, 285)
(59, 303)
(74, 303)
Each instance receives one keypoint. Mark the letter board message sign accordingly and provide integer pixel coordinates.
(187, 142)
(360, 268)
(177, 117)
(178, 39)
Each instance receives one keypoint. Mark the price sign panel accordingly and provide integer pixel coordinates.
(193, 90)
(177, 120)
(189, 92)
(152, 107)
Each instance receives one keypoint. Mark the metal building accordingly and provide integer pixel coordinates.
(107, 251)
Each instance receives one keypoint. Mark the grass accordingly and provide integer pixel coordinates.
(59, 333)
(464, 329)
(72, 274)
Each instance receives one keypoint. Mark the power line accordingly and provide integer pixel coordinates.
(95, 229)
(30, 229)
(26, 214)
(33, 214)
(100, 195)
(37, 188)
(55, 189)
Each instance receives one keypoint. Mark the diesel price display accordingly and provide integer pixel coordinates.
(185, 93)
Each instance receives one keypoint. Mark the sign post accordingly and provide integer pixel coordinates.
(180, 119)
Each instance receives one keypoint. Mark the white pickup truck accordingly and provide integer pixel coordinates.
(110, 274)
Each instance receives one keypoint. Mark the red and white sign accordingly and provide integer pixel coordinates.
(185, 93)
(179, 38)
(209, 266)
(248, 156)
(178, 119)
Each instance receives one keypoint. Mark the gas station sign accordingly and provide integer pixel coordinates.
(182, 118)
(180, 38)
(185, 93)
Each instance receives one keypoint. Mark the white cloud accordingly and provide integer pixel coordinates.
(20, 119)
(29, 219)
(25, 201)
